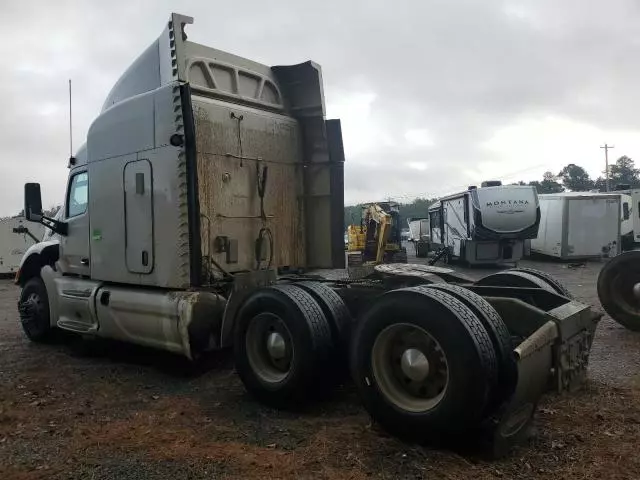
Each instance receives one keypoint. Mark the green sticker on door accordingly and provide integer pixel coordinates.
(97, 235)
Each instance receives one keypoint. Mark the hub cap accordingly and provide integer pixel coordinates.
(414, 364)
(410, 367)
(269, 347)
(636, 291)
(276, 346)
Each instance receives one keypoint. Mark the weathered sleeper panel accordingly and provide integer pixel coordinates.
(234, 145)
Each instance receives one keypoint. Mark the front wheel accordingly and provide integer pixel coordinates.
(34, 310)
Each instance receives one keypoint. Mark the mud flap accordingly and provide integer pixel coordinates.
(553, 358)
(535, 362)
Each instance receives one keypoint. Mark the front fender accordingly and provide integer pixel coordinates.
(37, 256)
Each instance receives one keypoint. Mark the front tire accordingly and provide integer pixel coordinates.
(34, 311)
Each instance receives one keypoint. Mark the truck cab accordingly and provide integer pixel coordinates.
(203, 175)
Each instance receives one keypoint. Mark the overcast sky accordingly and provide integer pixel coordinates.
(434, 95)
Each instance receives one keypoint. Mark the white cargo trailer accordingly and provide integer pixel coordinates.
(578, 225)
(630, 218)
(13, 245)
(486, 225)
(419, 235)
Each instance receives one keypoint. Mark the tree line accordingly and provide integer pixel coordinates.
(572, 177)
(575, 178)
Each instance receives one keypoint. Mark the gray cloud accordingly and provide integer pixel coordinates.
(459, 70)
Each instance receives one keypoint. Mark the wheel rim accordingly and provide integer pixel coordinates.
(269, 347)
(410, 367)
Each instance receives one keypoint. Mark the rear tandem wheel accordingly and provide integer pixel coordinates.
(500, 338)
(335, 311)
(282, 344)
(423, 376)
(556, 284)
(525, 277)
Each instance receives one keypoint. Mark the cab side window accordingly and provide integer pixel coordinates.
(78, 195)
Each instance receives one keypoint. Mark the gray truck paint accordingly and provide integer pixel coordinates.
(173, 162)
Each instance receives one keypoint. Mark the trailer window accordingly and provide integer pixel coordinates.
(78, 195)
(625, 211)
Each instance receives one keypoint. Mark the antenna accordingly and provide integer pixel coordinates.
(70, 127)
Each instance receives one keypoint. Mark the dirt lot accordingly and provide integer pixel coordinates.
(112, 411)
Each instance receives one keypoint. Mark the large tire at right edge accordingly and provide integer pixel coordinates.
(423, 364)
(619, 289)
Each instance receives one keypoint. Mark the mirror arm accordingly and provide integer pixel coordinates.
(55, 225)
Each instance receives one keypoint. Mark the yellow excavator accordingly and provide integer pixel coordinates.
(378, 237)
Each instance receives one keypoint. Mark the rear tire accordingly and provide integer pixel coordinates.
(335, 311)
(282, 344)
(500, 338)
(557, 285)
(515, 278)
(33, 306)
(436, 330)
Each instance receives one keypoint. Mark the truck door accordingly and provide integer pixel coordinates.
(138, 211)
(74, 247)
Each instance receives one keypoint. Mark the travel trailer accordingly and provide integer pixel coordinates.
(486, 225)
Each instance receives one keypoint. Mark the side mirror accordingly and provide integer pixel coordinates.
(32, 202)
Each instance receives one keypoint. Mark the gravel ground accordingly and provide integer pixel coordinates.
(82, 410)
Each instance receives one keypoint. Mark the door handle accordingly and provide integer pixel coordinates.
(84, 261)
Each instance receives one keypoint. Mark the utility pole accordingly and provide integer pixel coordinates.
(606, 163)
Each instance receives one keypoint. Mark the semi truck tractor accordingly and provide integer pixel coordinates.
(200, 215)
